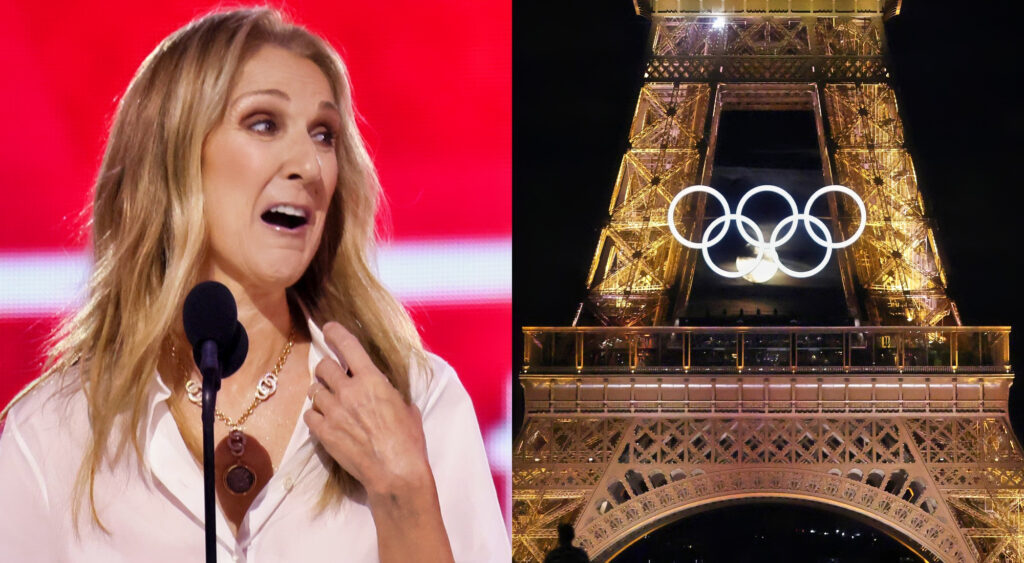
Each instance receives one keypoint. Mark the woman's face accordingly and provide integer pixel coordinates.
(269, 171)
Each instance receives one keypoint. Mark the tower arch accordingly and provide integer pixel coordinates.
(606, 534)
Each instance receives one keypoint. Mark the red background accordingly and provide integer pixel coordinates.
(432, 82)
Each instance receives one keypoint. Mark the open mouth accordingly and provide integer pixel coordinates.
(285, 216)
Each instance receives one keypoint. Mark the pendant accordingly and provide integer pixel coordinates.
(236, 443)
(239, 479)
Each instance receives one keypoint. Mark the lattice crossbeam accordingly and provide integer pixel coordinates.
(964, 470)
(993, 523)
(965, 440)
(635, 262)
(896, 260)
(535, 522)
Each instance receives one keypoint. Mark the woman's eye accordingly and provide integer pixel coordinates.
(264, 126)
(325, 137)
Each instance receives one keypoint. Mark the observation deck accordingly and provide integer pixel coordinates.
(767, 7)
(766, 370)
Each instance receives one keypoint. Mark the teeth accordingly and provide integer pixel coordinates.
(289, 210)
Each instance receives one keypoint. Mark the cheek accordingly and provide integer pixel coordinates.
(330, 176)
(232, 178)
(329, 173)
(223, 210)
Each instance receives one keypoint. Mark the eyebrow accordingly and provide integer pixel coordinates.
(325, 104)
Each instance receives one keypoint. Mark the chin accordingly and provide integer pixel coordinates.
(282, 274)
(283, 280)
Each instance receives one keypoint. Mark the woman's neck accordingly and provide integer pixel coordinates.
(268, 323)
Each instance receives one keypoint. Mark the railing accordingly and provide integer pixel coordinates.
(765, 7)
(766, 68)
(855, 349)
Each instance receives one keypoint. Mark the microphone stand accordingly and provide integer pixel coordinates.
(211, 370)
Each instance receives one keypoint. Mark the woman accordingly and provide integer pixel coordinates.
(235, 157)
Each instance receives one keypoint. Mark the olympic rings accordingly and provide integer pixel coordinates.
(774, 241)
(828, 246)
(860, 206)
(740, 219)
(773, 189)
(672, 211)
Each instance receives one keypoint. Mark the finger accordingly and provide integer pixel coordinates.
(330, 374)
(322, 399)
(312, 392)
(315, 421)
(347, 346)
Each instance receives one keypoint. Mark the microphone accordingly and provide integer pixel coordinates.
(210, 315)
(219, 345)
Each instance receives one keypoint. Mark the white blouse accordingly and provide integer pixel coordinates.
(155, 512)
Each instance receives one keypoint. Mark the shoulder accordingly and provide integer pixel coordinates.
(458, 460)
(450, 424)
(445, 406)
(49, 428)
(50, 406)
(434, 384)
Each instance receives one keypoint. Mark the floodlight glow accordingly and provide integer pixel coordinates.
(764, 271)
(724, 219)
(746, 267)
(719, 23)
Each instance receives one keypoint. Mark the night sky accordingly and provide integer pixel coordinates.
(577, 71)
(768, 531)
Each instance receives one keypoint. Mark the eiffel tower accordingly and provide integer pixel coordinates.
(857, 389)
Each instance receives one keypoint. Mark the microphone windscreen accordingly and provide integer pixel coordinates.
(235, 356)
(210, 313)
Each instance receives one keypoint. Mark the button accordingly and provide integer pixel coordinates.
(289, 482)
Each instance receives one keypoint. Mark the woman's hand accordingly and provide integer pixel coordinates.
(366, 426)
(364, 423)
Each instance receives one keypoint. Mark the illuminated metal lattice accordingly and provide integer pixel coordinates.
(897, 263)
(953, 484)
(636, 259)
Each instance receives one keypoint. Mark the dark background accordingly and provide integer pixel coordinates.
(781, 532)
(577, 71)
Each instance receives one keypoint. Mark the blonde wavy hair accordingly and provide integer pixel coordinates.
(149, 237)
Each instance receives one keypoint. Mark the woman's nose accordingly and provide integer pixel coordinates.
(303, 161)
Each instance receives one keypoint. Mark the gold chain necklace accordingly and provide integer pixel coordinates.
(239, 478)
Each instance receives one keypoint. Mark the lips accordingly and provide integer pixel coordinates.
(286, 216)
